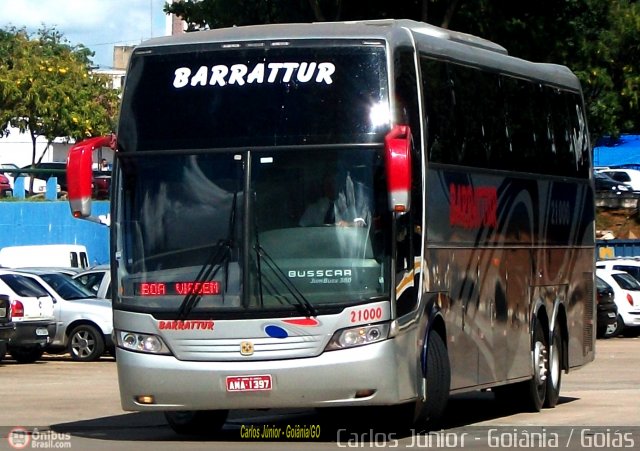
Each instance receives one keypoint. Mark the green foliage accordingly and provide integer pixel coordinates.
(46, 88)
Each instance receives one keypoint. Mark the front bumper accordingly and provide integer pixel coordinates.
(330, 379)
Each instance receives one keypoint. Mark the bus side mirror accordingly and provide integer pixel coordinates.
(80, 175)
(397, 149)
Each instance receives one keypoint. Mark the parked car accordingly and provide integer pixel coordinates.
(6, 190)
(101, 184)
(56, 165)
(96, 279)
(626, 291)
(58, 255)
(32, 313)
(607, 318)
(630, 177)
(7, 327)
(85, 322)
(39, 185)
(628, 265)
(604, 183)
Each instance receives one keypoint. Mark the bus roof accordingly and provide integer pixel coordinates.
(429, 39)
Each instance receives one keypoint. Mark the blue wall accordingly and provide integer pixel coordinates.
(24, 223)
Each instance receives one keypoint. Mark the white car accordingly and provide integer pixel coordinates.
(626, 294)
(628, 265)
(32, 311)
(85, 323)
(630, 177)
(96, 279)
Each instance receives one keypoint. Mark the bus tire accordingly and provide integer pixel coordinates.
(438, 381)
(196, 422)
(554, 376)
(535, 389)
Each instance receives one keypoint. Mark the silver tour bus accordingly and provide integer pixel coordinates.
(375, 213)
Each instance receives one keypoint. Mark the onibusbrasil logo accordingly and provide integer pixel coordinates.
(19, 438)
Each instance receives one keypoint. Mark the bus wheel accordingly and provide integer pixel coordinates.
(438, 380)
(554, 377)
(196, 422)
(535, 389)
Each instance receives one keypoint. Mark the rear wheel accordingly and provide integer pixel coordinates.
(529, 394)
(535, 390)
(554, 376)
(26, 355)
(85, 343)
(197, 422)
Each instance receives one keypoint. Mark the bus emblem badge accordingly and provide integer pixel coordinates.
(246, 348)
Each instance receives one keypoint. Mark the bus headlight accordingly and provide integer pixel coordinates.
(147, 343)
(358, 336)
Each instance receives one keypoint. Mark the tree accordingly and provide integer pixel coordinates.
(47, 89)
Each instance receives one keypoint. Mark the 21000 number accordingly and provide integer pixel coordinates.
(367, 314)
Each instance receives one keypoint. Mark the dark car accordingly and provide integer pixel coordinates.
(58, 167)
(101, 179)
(5, 186)
(101, 184)
(7, 327)
(607, 320)
(605, 183)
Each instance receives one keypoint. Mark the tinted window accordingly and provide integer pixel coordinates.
(66, 287)
(626, 282)
(484, 119)
(24, 286)
(208, 98)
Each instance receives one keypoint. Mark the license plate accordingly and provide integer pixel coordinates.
(42, 332)
(611, 315)
(3, 312)
(260, 382)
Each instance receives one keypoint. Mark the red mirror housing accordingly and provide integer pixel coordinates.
(397, 146)
(80, 173)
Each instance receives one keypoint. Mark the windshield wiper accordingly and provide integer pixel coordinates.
(219, 258)
(306, 306)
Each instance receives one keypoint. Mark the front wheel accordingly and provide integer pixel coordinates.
(197, 422)
(619, 327)
(437, 380)
(85, 343)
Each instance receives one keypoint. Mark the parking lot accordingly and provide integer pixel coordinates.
(67, 404)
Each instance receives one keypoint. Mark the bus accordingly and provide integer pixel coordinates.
(451, 248)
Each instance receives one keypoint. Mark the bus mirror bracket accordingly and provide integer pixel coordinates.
(80, 175)
(397, 146)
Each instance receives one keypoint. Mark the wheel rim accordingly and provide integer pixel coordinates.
(540, 360)
(83, 343)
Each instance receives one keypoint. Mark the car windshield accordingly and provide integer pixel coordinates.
(626, 282)
(24, 286)
(66, 287)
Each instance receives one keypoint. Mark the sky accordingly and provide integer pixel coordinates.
(97, 24)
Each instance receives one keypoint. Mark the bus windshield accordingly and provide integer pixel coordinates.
(204, 97)
(313, 237)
